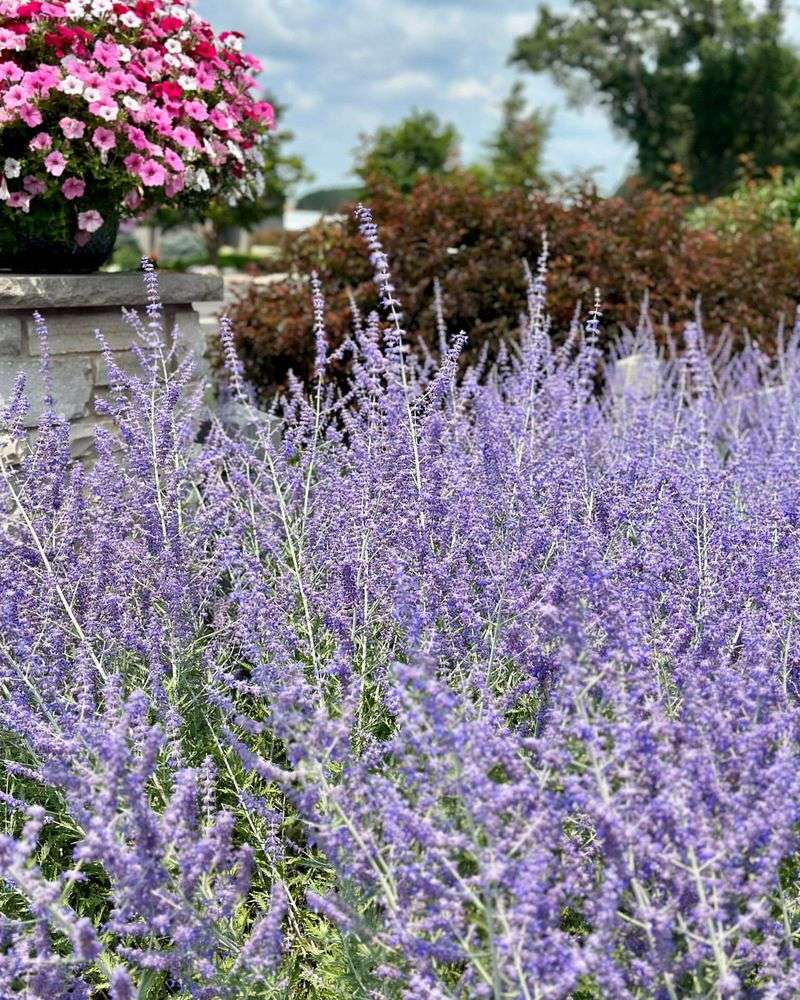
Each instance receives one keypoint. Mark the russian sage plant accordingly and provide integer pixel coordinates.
(453, 683)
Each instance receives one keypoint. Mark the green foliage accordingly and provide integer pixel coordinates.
(515, 150)
(127, 255)
(699, 83)
(753, 206)
(398, 155)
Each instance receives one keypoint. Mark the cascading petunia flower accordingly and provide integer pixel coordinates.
(90, 221)
(73, 188)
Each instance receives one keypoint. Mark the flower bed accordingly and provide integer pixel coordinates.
(479, 686)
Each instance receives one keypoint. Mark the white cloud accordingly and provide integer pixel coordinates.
(518, 23)
(469, 89)
(413, 82)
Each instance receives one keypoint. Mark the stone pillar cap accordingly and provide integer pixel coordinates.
(104, 290)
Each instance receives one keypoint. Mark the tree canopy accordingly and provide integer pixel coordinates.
(515, 150)
(694, 82)
(398, 155)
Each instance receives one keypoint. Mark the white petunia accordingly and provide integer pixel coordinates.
(108, 112)
(201, 180)
(124, 53)
(12, 168)
(71, 85)
(173, 45)
(187, 82)
(131, 103)
(101, 7)
(75, 9)
(130, 20)
(92, 94)
(173, 61)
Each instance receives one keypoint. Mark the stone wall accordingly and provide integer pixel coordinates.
(74, 306)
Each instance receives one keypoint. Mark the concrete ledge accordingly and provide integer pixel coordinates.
(74, 306)
(123, 288)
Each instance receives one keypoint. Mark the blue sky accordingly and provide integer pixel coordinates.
(348, 66)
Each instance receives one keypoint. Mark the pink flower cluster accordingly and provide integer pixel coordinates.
(136, 100)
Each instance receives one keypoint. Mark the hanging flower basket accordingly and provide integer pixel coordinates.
(109, 109)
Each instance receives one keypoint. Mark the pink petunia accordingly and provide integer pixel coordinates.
(105, 108)
(175, 183)
(152, 60)
(73, 188)
(44, 79)
(104, 138)
(54, 163)
(173, 161)
(162, 119)
(264, 112)
(185, 137)
(19, 199)
(15, 96)
(137, 137)
(11, 41)
(33, 185)
(107, 54)
(31, 115)
(10, 71)
(90, 222)
(152, 174)
(133, 163)
(117, 81)
(206, 77)
(221, 121)
(72, 128)
(41, 141)
(132, 200)
(196, 110)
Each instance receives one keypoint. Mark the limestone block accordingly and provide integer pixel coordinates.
(81, 436)
(10, 334)
(73, 331)
(77, 291)
(123, 359)
(73, 380)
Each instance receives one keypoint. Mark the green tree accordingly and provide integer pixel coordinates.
(398, 154)
(263, 195)
(694, 82)
(515, 150)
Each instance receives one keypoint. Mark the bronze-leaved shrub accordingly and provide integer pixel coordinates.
(474, 244)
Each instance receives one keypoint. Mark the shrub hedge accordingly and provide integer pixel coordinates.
(474, 243)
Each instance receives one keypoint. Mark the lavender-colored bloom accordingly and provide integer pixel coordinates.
(491, 674)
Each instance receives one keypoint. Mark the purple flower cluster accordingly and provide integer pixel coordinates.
(492, 672)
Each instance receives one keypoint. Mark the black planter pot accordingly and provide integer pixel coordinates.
(39, 251)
